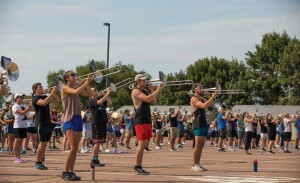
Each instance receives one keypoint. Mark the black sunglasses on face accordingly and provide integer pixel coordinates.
(74, 75)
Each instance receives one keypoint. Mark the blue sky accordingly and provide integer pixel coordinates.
(42, 36)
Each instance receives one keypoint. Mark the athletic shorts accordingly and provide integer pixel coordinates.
(20, 133)
(271, 134)
(231, 133)
(58, 132)
(10, 130)
(180, 133)
(159, 131)
(288, 136)
(277, 132)
(122, 131)
(143, 131)
(75, 124)
(264, 135)
(99, 132)
(86, 134)
(222, 133)
(129, 133)
(241, 134)
(203, 132)
(31, 130)
(297, 133)
(174, 132)
(118, 133)
(254, 135)
(212, 134)
(110, 130)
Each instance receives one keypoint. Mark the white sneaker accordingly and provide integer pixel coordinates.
(153, 143)
(107, 150)
(168, 142)
(87, 150)
(157, 147)
(196, 168)
(161, 144)
(230, 149)
(183, 143)
(82, 151)
(203, 168)
(117, 151)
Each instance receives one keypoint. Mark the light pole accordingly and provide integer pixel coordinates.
(107, 59)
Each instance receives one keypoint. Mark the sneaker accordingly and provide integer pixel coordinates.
(40, 166)
(23, 151)
(288, 151)
(271, 152)
(196, 168)
(87, 150)
(18, 160)
(96, 163)
(107, 150)
(157, 147)
(161, 144)
(168, 142)
(127, 147)
(248, 153)
(147, 149)
(203, 168)
(296, 147)
(67, 176)
(264, 149)
(140, 171)
(183, 143)
(121, 144)
(34, 151)
(28, 149)
(230, 149)
(83, 151)
(153, 143)
(74, 176)
(3, 150)
(54, 147)
(172, 149)
(117, 151)
(50, 148)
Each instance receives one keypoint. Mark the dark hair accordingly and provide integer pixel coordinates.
(34, 87)
(195, 85)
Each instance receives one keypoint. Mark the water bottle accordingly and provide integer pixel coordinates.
(255, 165)
(92, 170)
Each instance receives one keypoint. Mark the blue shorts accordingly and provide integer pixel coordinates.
(212, 134)
(277, 132)
(75, 124)
(110, 130)
(201, 132)
(10, 130)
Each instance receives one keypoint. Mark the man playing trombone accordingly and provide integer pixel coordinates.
(142, 121)
(43, 120)
(200, 127)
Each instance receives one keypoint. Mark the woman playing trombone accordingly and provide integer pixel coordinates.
(72, 120)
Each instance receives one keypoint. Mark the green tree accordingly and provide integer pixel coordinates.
(274, 70)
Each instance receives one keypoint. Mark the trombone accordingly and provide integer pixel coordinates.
(220, 91)
(118, 85)
(163, 79)
(98, 73)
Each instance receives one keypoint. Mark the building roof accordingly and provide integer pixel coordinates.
(263, 110)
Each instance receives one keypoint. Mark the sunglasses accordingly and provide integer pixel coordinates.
(74, 75)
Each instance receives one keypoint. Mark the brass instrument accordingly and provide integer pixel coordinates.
(163, 79)
(11, 70)
(116, 118)
(114, 87)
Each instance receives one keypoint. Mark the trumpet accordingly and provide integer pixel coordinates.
(11, 70)
(163, 79)
(114, 87)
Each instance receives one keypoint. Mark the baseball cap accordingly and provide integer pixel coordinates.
(139, 76)
(220, 108)
(18, 95)
(127, 110)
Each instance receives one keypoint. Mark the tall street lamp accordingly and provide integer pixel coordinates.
(107, 59)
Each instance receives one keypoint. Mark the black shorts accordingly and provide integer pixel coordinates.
(254, 135)
(231, 133)
(118, 133)
(58, 132)
(20, 133)
(222, 133)
(288, 136)
(272, 134)
(180, 133)
(44, 132)
(99, 132)
(31, 130)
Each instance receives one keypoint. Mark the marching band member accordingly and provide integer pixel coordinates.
(72, 120)
(142, 121)
(200, 127)
(42, 119)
